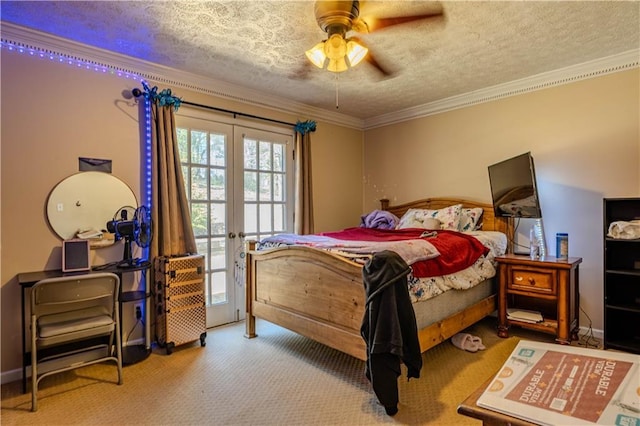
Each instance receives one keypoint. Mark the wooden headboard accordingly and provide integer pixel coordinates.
(489, 220)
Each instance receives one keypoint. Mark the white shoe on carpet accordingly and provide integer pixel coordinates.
(467, 342)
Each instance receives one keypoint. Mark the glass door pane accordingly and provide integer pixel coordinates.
(264, 196)
(206, 155)
(267, 183)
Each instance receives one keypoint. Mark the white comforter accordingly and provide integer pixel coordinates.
(484, 268)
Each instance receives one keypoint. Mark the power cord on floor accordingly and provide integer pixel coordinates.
(587, 339)
(133, 328)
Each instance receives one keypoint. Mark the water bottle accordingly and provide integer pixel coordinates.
(562, 246)
(534, 247)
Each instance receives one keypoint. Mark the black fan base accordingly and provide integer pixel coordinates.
(133, 263)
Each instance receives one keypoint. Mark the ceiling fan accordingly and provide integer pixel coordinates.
(341, 50)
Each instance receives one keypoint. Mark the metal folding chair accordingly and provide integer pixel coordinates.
(75, 322)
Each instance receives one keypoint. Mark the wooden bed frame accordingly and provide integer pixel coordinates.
(321, 295)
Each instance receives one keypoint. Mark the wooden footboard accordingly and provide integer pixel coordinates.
(321, 295)
(313, 293)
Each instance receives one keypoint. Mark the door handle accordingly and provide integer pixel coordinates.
(232, 235)
(241, 234)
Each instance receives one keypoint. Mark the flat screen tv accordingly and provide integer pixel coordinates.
(513, 187)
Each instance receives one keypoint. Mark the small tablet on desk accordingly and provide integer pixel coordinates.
(76, 256)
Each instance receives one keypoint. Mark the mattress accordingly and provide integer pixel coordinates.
(450, 302)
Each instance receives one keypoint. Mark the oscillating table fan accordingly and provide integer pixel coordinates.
(138, 229)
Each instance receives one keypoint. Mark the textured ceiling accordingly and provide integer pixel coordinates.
(261, 44)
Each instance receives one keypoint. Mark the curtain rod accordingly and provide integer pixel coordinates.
(137, 93)
(237, 113)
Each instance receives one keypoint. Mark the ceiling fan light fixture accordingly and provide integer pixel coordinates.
(335, 47)
(337, 65)
(316, 55)
(355, 52)
(336, 53)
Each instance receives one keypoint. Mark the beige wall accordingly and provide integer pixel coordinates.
(54, 113)
(341, 154)
(585, 140)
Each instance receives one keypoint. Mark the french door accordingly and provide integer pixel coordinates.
(239, 182)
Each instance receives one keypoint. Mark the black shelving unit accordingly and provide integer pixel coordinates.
(621, 279)
(132, 354)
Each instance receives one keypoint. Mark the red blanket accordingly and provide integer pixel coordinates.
(458, 251)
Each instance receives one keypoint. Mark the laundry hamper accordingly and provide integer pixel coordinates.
(179, 299)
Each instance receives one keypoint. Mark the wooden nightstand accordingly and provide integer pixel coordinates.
(549, 286)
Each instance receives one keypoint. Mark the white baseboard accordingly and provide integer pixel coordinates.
(16, 375)
(12, 376)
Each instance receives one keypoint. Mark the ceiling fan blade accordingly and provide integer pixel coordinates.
(385, 72)
(374, 23)
(381, 23)
(370, 58)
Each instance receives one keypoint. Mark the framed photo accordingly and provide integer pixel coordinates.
(76, 255)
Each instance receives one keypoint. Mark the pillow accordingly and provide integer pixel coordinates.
(432, 223)
(470, 219)
(449, 218)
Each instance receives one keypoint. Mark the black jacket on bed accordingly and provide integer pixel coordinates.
(389, 327)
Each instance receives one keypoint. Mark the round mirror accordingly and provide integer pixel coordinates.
(87, 201)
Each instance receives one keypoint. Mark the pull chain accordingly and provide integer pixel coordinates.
(336, 78)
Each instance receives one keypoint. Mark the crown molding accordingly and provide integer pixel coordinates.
(39, 41)
(596, 68)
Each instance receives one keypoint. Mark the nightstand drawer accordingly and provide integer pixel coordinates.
(538, 281)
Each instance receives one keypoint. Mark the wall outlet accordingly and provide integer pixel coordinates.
(137, 309)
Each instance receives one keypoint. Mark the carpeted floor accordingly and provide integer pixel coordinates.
(278, 378)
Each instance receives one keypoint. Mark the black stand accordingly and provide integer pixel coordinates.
(133, 354)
